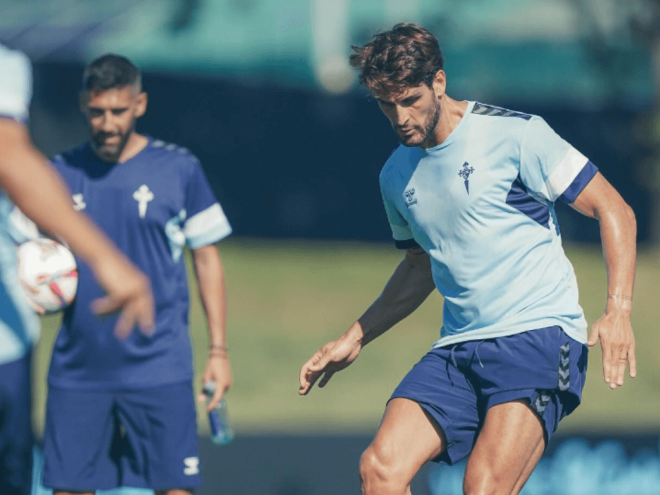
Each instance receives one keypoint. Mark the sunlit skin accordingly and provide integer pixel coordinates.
(111, 116)
(422, 115)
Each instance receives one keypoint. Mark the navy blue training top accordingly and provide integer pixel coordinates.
(151, 206)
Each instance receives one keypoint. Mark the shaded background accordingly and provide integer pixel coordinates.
(261, 92)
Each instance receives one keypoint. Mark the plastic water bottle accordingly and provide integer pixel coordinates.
(221, 431)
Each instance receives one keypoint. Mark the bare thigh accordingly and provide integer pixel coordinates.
(406, 439)
(507, 450)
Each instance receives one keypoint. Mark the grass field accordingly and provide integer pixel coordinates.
(287, 298)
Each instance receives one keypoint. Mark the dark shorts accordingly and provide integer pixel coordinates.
(143, 438)
(457, 384)
(16, 440)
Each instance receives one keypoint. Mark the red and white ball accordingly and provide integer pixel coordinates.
(48, 274)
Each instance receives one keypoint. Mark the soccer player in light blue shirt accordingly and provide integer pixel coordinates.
(28, 182)
(470, 196)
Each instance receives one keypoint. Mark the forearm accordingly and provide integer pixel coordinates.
(36, 188)
(618, 230)
(211, 286)
(406, 290)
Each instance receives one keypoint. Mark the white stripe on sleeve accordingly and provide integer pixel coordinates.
(206, 227)
(565, 173)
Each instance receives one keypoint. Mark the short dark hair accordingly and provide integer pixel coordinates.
(110, 71)
(403, 57)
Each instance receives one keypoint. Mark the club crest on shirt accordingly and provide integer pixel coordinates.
(410, 197)
(464, 174)
(143, 195)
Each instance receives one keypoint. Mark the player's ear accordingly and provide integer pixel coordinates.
(440, 83)
(141, 106)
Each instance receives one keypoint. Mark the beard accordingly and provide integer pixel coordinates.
(421, 135)
(110, 152)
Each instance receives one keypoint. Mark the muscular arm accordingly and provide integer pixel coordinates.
(408, 287)
(406, 290)
(211, 284)
(618, 231)
(39, 192)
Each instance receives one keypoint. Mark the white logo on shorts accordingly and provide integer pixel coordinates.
(192, 466)
(78, 202)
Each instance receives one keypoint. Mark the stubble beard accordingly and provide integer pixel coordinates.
(420, 138)
(107, 155)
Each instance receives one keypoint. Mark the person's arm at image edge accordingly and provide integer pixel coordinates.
(36, 188)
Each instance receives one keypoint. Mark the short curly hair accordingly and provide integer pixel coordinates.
(403, 57)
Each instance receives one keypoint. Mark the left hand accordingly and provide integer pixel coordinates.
(617, 342)
(217, 370)
(35, 307)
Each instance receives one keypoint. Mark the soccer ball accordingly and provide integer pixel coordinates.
(48, 274)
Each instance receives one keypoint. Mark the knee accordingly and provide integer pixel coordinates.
(484, 483)
(380, 474)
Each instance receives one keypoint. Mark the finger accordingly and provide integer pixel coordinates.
(105, 305)
(321, 364)
(36, 308)
(593, 337)
(632, 362)
(146, 317)
(621, 371)
(607, 362)
(125, 323)
(309, 381)
(326, 378)
(305, 370)
(217, 397)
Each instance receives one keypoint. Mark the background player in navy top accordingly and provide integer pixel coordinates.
(29, 182)
(122, 413)
(470, 195)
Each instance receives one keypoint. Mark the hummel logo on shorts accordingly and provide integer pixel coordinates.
(192, 466)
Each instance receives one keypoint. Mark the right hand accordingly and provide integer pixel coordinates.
(329, 359)
(127, 289)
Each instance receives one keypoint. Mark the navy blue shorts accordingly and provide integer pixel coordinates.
(143, 438)
(457, 384)
(16, 440)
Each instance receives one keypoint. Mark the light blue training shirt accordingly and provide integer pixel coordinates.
(19, 327)
(481, 204)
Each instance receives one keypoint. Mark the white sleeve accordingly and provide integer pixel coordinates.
(15, 84)
(549, 166)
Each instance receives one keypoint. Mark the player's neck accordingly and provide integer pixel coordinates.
(136, 143)
(451, 113)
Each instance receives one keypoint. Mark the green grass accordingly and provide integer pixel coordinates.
(287, 298)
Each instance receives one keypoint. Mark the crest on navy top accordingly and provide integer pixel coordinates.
(465, 173)
(143, 195)
(410, 197)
